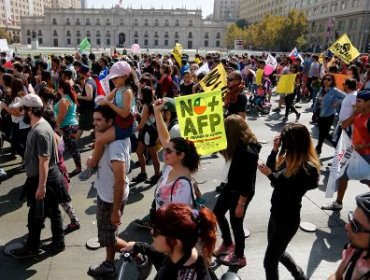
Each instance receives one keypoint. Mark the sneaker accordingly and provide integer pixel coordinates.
(72, 227)
(334, 206)
(144, 222)
(224, 250)
(54, 247)
(87, 173)
(24, 252)
(153, 180)
(140, 178)
(74, 172)
(103, 269)
(232, 260)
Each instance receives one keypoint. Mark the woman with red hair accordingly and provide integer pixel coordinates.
(177, 228)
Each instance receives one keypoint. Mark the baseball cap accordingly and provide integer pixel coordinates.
(84, 69)
(364, 94)
(363, 202)
(119, 69)
(169, 105)
(30, 100)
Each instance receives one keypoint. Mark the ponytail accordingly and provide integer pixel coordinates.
(207, 227)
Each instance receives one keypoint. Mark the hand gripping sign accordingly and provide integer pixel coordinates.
(201, 121)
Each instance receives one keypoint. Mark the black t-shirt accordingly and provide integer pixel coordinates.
(186, 89)
(238, 106)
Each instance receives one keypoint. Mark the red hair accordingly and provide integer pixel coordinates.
(179, 221)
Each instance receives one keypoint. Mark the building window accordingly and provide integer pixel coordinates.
(107, 34)
(54, 21)
(217, 44)
(108, 21)
(190, 23)
(55, 33)
(68, 41)
(176, 41)
(78, 34)
(176, 34)
(98, 41)
(108, 42)
(68, 33)
(156, 42)
(28, 32)
(166, 23)
(40, 40)
(29, 40)
(87, 21)
(156, 34)
(156, 22)
(122, 22)
(218, 35)
(206, 35)
(206, 43)
(88, 34)
(136, 41)
(177, 23)
(98, 33)
(146, 34)
(78, 41)
(166, 35)
(39, 33)
(56, 42)
(136, 22)
(146, 42)
(341, 25)
(190, 35)
(166, 43)
(136, 34)
(353, 24)
(190, 44)
(78, 22)
(146, 22)
(68, 22)
(343, 5)
(97, 21)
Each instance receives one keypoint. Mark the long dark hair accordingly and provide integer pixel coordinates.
(191, 157)
(179, 221)
(132, 82)
(148, 98)
(333, 84)
(16, 87)
(68, 90)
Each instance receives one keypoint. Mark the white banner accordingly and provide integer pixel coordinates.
(4, 45)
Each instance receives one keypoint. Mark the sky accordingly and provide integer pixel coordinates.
(205, 5)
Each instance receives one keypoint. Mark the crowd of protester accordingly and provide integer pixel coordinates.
(126, 102)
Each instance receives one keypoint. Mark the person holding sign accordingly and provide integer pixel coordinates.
(242, 153)
(235, 100)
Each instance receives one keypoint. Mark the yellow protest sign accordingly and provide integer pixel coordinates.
(344, 49)
(177, 53)
(259, 76)
(286, 84)
(339, 80)
(215, 79)
(201, 120)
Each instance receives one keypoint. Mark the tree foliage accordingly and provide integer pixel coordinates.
(4, 34)
(273, 33)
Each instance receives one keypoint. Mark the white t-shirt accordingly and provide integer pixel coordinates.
(181, 192)
(346, 109)
(116, 151)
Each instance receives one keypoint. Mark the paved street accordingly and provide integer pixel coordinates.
(318, 253)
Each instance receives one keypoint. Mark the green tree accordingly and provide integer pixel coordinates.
(4, 35)
(233, 33)
(293, 31)
(242, 23)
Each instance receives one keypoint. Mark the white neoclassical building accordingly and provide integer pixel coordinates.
(118, 27)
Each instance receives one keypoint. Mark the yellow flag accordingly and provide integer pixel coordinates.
(201, 120)
(344, 49)
(259, 76)
(215, 79)
(321, 58)
(286, 84)
(177, 53)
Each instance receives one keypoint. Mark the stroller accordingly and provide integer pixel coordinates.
(258, 102)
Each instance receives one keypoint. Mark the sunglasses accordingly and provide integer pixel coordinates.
(169, 151)
(355, 225)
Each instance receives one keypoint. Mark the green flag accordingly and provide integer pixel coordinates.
(85, 45)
